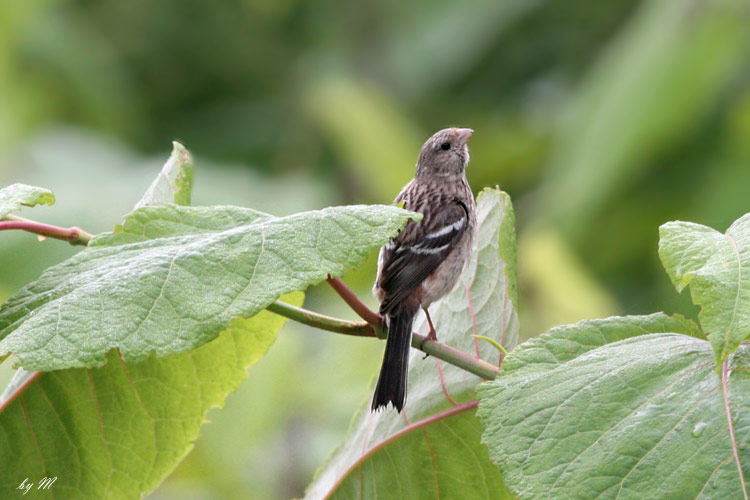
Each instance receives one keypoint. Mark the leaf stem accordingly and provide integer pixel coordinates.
(310, 318)
(357, 305)
(728, 410)
(448, 354)
(73, 235)
(467, 362)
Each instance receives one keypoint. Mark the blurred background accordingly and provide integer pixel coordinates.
(603, 120)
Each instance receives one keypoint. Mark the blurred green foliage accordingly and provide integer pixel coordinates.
(602, 119)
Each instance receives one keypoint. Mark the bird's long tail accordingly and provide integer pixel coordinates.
(394, 372)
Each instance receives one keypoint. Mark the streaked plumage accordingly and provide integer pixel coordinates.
(425, 260)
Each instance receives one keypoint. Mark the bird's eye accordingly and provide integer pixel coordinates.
(445, 146)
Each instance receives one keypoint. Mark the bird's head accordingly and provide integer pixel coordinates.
(445, 153)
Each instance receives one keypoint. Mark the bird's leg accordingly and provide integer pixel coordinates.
(432, 335)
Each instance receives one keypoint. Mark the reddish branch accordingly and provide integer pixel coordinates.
(362, 310)
(73, 235)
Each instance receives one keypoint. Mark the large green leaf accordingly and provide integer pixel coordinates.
(150, 223)
(118, 430)
(16, 195)
(173, 184)
(432, 449)
(177, 292)
(717, 268)
(626, 407)
(425, 460)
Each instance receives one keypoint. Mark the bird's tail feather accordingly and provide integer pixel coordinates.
(394, 372)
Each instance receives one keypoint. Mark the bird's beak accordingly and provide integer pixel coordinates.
(463, 135)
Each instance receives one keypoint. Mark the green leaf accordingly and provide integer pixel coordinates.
(441, 459)
(626, 407)
(151, 223)
(717, 268)
(175, 293)
(117, 431)
(174, 184)
(15, 195)
(554, 348)
(139, 420)
(439, 453)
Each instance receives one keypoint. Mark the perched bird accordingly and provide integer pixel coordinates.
(425, 260)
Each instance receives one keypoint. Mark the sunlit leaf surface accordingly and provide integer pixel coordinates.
(178, 291)
(628, 407)
(717, 268)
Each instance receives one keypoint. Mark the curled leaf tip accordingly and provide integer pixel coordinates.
(493, 342)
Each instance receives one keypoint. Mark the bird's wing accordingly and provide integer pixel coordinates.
(419, 249)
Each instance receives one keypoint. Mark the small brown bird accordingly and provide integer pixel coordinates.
(425, 260)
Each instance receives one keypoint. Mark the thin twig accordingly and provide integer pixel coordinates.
(73, 235)
(477, 366)
(448, 354)
(357, 305)
(359, 329)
